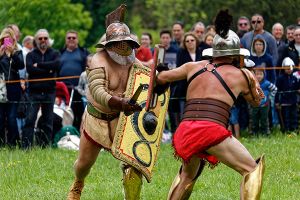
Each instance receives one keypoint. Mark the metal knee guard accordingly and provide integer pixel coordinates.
(132, 182)
(187, 191)
(252, 182)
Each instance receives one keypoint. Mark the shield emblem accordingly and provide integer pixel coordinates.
(134, 142)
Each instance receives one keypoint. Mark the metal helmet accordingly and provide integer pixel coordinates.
(116, 32)
(230, 45)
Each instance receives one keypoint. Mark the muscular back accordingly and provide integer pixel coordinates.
(207, 85)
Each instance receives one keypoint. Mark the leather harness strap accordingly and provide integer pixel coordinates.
(214, 71)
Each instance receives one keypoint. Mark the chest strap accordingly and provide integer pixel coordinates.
(217, 75)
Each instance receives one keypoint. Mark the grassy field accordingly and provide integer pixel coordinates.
(46, 174)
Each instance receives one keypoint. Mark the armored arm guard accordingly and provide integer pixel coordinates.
(98, 88)
(255, 90)
(98, 85)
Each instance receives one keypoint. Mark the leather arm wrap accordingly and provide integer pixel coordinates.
(255, 90)
(97, 85)
(161, 88)
(123, 104)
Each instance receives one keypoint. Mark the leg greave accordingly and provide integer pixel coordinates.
(186, 191)
(132, 182)
(252, 182)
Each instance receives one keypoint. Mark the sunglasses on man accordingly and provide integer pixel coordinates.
(256, 22)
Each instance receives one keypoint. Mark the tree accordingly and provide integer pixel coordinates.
(164, 13)
(57, 16)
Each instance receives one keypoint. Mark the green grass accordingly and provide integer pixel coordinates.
(43, 174)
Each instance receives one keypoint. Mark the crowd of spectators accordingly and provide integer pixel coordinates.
(48, 77)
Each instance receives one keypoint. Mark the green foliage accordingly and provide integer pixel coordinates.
(166, 12)
(57, 16)
(48, 173)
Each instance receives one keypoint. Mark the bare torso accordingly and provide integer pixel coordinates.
(117, 75)
(207, 85)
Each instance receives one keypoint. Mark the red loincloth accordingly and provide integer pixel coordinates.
(195, 137)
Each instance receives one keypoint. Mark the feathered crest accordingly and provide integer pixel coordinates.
(223, 22)
(117, 15)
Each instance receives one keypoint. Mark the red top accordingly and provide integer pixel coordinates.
(143, 54)
(62, 91)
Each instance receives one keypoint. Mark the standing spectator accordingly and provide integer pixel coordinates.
(257, 22)
(260, 121)
(243, 26)
(170, 60)
(199, 30)
(261, 58)
(293, 49)
(278, 33)
(178, 32)
(210, 29)
(143, 54)
(27, 44)
(82, 86)
(10, 62)
(241, 106)
(290, 33)
(42, 63)
(208, 38)
(286, 97)
(17, 32)
(189, 52)
(146, 41)
(73, 63)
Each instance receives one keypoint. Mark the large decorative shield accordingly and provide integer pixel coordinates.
(138, 136)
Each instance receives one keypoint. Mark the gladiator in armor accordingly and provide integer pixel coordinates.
(107, 78)
(202, 136)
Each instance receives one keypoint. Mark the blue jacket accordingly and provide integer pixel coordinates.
(265, 60)
(269, 89)
(288, 86)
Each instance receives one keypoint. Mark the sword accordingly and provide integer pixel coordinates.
(135, 97)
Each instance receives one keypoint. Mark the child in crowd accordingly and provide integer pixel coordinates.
(82, 86)
(234, 125)
(260, 122)
(261, 58)
(286, 98)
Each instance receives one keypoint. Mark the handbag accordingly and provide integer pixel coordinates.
(3, 91)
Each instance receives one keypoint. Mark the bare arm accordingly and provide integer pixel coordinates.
(172, 75)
